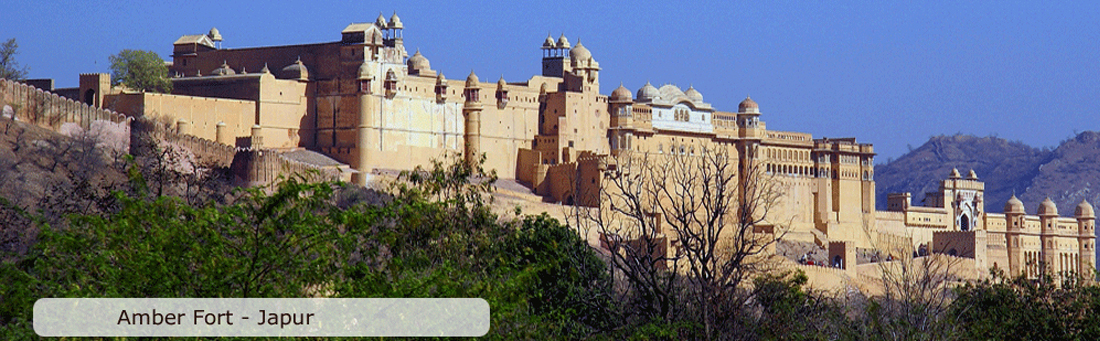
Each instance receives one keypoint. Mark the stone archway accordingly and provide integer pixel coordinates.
(89, 97)
(964, 222)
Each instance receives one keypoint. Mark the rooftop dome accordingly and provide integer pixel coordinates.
(972, 175)
(266, 70)
(395, 22)
(1047, 207)
(501, 83)
(563, 43)
(440, 79)
(748, 105)
(296, 70)
(471, 80)
(549, 43)
(418, 62)
(954, 174)
(670, 92)
(223, 70)
(381, 21)
(214, 34)
(620, 94)
(648, 92)
(693, 94)
(579, 54)
(1084, 210)
(1014, 205)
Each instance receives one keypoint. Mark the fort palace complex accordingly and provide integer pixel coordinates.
(366, 103)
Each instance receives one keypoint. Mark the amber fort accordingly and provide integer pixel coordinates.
(364, 103)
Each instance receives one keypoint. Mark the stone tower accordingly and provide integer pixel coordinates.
(553, 56)
(1086, 237)
(1014, 219)
(1048, 219)
(620, 106)
(472, 111)
(367, 103)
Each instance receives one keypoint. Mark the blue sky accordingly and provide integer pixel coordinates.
(889, 73)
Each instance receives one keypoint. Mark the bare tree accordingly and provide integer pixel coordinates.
(695, 220)
(914, 300)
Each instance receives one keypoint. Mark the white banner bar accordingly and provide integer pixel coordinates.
(397, 317)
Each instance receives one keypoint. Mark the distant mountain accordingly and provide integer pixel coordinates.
(1066, 174)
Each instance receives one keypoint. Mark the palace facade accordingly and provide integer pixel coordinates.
(364, 101)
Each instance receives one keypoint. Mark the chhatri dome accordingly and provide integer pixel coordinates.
(1014, 205)
(693, 94)
(297, 70)
(648, 92)
(620, 94)
(381, 21)
(748, 106)
(395, 22)
(418, 62)
(214, 34)
(1047, 207)
(549, 43)
(471, 80)
(223, 70)
(563, 43)
(1084, 210)
(579, 54)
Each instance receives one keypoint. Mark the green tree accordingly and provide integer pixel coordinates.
(140, 70)
(1019, 308)
(433, 236)
(9, 68)
(788, 312)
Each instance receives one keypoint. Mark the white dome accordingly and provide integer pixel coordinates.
(648, 92)
(693, 95)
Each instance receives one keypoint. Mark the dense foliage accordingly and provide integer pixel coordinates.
(140, 70)
(433, 234)
(9, 67)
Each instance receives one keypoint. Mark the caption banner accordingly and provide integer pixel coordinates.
(397, 317)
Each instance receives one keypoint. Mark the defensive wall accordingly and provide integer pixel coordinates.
(25, 103)
(251, 166)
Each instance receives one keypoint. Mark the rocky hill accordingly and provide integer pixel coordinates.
(1065, 174)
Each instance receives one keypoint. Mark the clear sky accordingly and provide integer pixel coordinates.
(891, 73)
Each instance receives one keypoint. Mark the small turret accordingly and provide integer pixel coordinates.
(502, 93)
(472, 112)
(297, 71)
(440, 88)
(1014, 206)
(748, 106)
(1047, 208)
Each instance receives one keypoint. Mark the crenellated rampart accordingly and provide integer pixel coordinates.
(49, 110)
(25, 103)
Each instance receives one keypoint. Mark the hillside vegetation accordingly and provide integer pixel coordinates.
(143, 229)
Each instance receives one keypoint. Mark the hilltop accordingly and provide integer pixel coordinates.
(1065, 173)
